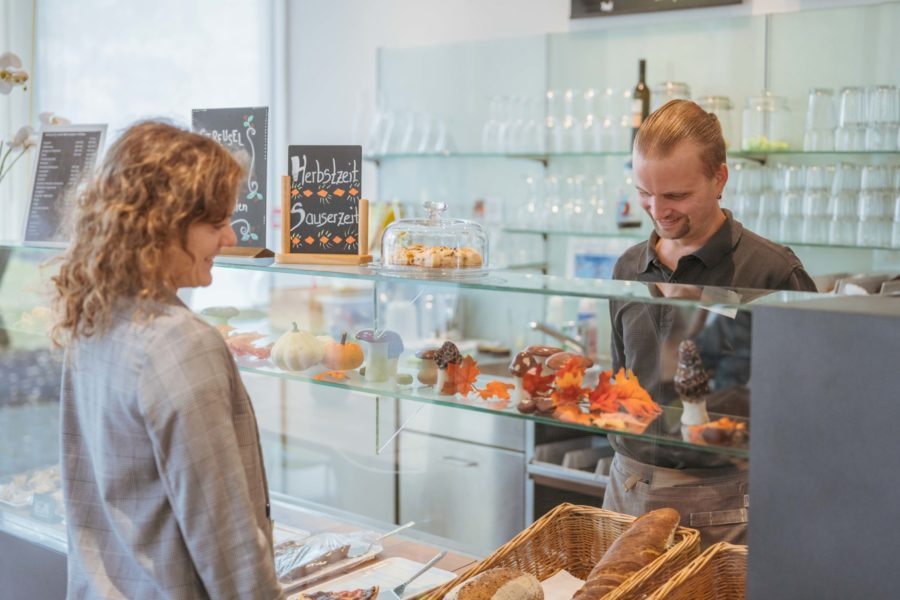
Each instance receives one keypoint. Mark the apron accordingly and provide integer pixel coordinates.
(714, 501)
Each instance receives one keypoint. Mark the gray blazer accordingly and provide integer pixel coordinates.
(163, 478)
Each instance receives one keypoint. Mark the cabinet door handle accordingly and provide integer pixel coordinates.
(459, 462)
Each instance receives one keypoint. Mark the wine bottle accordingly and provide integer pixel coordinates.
(640, 100)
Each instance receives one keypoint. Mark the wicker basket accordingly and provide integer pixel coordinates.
(720, 573)
(575, 538)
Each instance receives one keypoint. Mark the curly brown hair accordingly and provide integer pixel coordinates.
(154, 183)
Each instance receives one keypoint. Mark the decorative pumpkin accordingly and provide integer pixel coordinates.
(343, 355)
(296, 351)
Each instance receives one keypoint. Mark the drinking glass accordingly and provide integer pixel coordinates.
(490, 133)
(552, 214)
(589, 123)
(769, 212)
(554, 122)
(515, 140)
(852, 118)
(884, 118)
(602, 217)
(533, 138)
(844, 205)
(791, 227)
(607, 136)
(573, 138)
(816, 199)
(529, 217)
(820, 121)
(876, 211)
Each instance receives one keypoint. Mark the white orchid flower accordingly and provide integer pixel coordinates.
(25, 138)
(8, 59)
(11, 72)
(49, 118)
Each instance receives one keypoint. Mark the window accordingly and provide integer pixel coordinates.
(102, 61)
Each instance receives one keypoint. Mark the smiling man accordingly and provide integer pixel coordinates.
(680, 173)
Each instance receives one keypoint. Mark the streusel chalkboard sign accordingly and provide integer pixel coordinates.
(324, 217)
(66, 155)
(243, 131)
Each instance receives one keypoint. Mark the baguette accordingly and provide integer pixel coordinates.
(642, 543)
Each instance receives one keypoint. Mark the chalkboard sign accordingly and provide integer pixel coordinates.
(323, 212)
(243, 131)
(66, 155)
(609, 8)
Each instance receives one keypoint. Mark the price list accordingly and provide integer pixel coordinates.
(64, 159)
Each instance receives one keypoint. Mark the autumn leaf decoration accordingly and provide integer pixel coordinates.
(625, 394)
(496, 389)
(537, 385)
(461, 377)
(568, 383)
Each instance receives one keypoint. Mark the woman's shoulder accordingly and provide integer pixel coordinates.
(165, 329)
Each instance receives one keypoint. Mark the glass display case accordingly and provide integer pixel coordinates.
(374, 445)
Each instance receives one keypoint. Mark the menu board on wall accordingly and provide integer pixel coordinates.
(66, 155)
(243, 131)
(609, 8)
(323, 211)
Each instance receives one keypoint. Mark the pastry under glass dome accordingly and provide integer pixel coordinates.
(434, 246)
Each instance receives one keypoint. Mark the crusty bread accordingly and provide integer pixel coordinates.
(498, 584)
(642, 543)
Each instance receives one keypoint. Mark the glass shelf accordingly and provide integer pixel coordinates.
(550, 285)
(547, 157)
(638, 236)
(355, 383)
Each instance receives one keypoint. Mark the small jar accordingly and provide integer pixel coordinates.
(765, 123)
(668, 90)
(722, 107)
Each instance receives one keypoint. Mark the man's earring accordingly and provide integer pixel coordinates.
(719, 197)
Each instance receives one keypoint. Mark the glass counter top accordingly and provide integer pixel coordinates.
(526, 283)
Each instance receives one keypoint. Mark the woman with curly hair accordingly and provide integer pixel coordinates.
(163, 477)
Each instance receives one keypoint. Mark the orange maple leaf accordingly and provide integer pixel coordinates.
(496, 389)
(568, 383)
(535, 384)
(461, 377)
(626, 394)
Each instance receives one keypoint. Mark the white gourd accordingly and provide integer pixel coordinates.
(297, 351)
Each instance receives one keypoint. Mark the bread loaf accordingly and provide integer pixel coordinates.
(498, 584)
(642, 543)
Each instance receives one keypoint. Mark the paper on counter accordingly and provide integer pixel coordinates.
(561, 586)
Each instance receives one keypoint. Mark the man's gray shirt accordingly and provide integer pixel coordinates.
(645, 336)
(163, 478)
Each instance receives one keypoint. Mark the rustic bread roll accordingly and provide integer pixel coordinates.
(499, 584)
(642, 543)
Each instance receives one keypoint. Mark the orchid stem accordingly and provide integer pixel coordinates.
(12, 164)
(3, 160)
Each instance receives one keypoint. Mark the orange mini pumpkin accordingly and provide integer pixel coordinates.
(343, 355)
